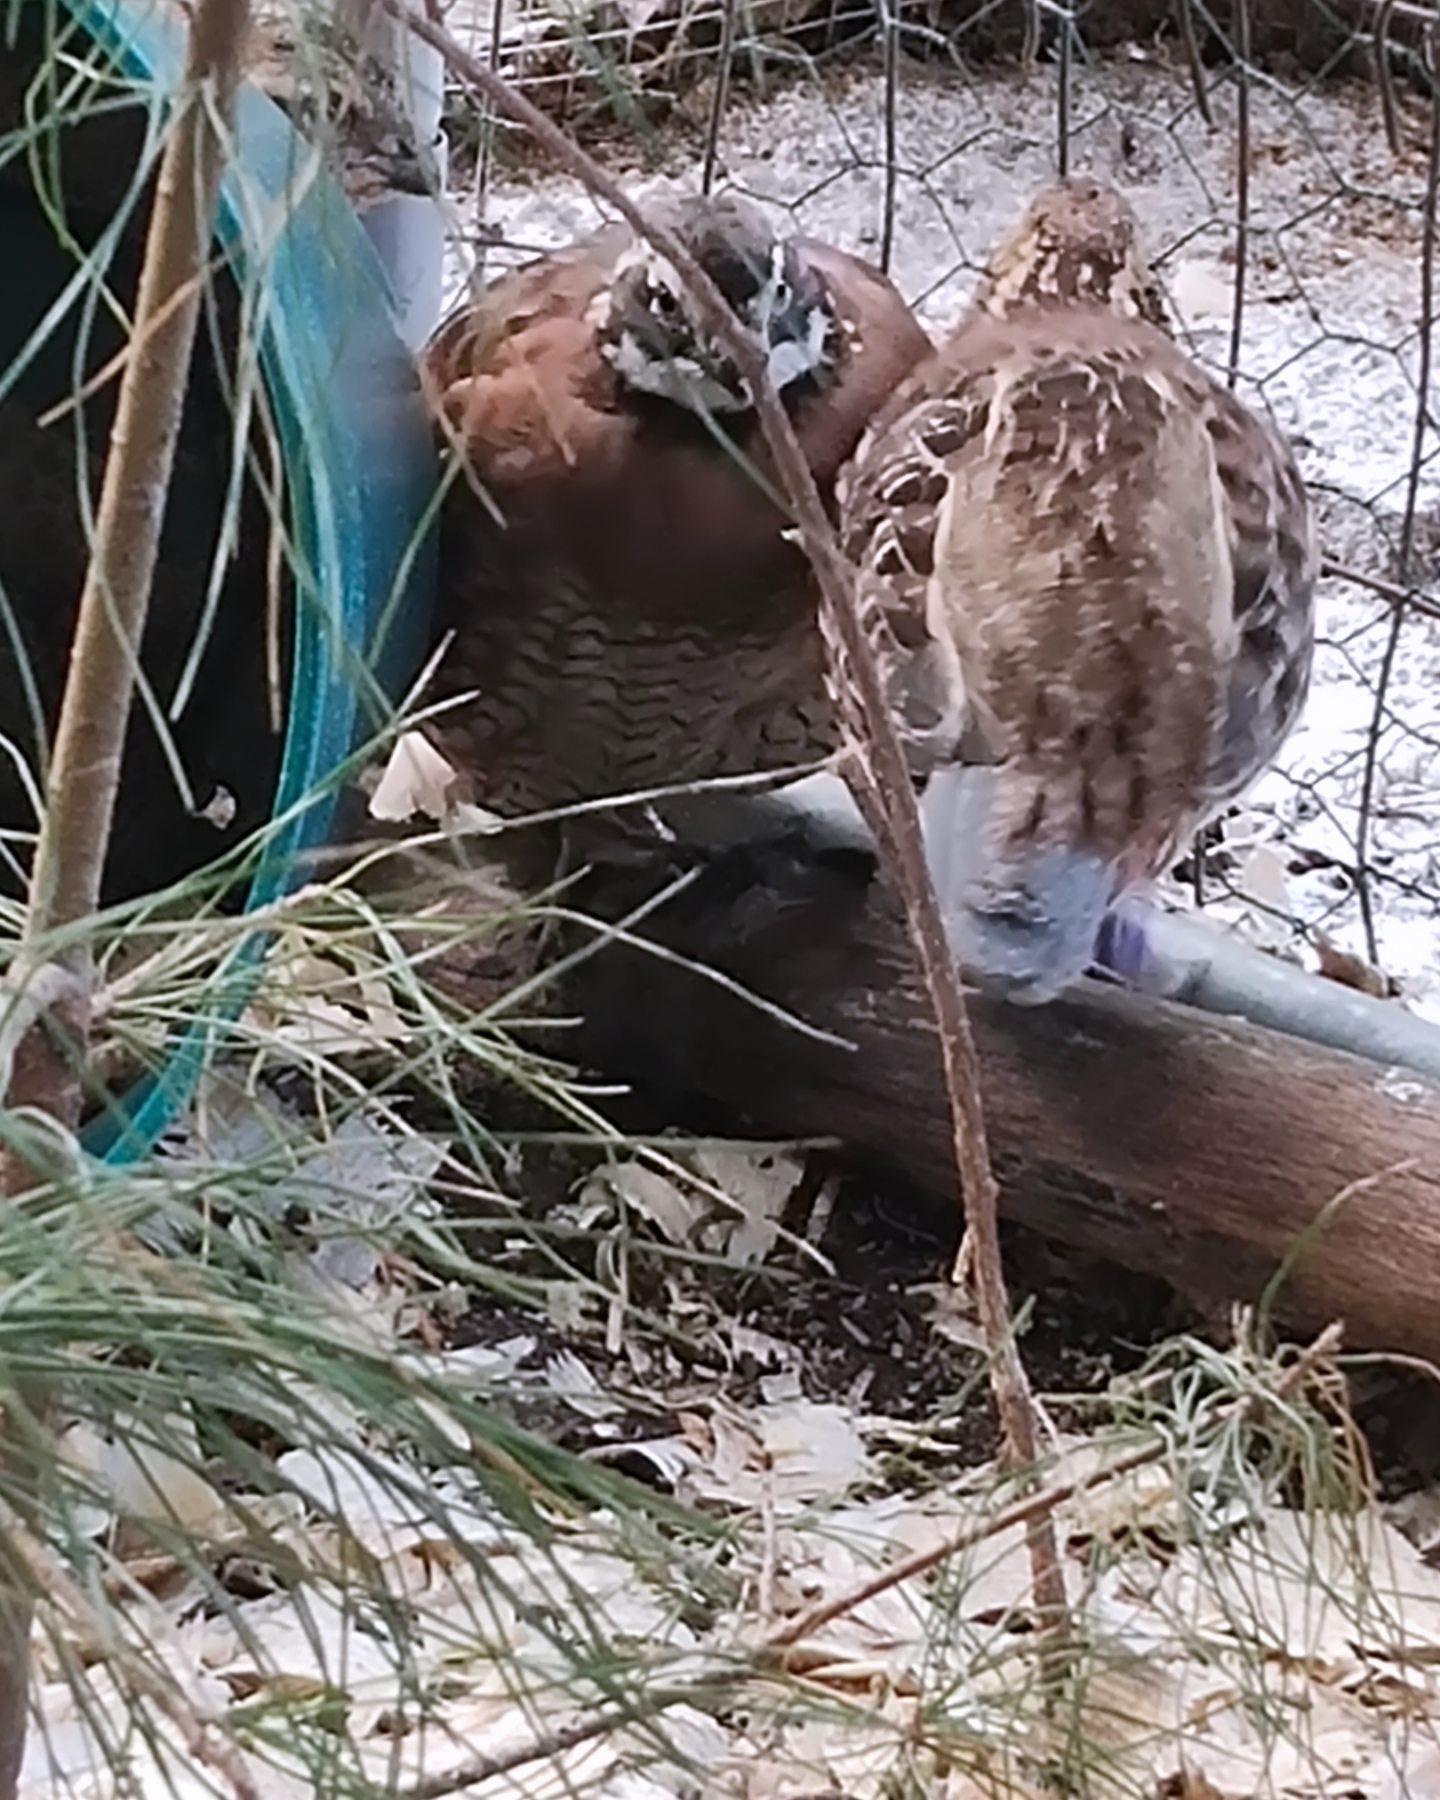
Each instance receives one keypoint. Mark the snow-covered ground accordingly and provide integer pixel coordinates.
(1330, 343)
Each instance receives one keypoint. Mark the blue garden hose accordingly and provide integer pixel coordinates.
(360, 480)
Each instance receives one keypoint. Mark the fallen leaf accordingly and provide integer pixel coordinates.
(1349, 969)
(416, 779)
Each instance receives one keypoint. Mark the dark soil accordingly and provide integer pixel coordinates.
(864, 1334)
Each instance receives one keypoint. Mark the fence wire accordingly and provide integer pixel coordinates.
(1283, 160)
(1283, 157)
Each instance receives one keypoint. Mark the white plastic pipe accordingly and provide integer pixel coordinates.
(408, 230)
(1187, 957)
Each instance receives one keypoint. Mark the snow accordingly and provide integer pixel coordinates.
(1330, 344)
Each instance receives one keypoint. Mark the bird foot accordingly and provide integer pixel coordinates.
(1120, 946)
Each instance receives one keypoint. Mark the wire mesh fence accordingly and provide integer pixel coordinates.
(361, 1608)
(1282, 158)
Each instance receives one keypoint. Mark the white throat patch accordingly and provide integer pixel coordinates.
(682, 379)
(676, 378)
(790, 359)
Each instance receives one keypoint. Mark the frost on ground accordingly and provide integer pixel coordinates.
(1330, 342)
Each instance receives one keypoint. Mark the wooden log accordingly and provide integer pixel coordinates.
(1203, 1150)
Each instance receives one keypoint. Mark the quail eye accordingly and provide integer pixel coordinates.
(783, 295)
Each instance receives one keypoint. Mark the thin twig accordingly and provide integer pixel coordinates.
(485, 159)
(1194, 62)
(1385, 78)
(646, 1705)
(1200, 843)
(1407, 526)
(210, 1747)
(890, 52)
(881, 776)
(725, 56)
(84, 773)
(114, 366)
(1412, 599)
(1035, 1506)
(1242, 188)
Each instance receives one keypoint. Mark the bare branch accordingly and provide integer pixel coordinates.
(1043, 1503)
(206, 1745)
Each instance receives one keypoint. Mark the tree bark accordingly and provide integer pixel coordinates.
(1202, 1150)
